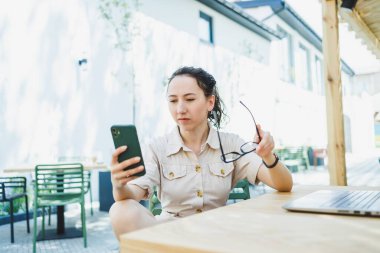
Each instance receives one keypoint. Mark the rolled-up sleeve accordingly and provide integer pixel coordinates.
(152, 176)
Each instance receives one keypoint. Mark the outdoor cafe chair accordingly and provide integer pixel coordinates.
(86, 174)
(154, 204)
(87, 189)
(58, 185)
(11, 189)
(240, 191)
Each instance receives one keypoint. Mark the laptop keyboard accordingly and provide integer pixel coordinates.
(353, 200)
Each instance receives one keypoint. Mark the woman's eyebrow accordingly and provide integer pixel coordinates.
(189, 94)
(185, 95)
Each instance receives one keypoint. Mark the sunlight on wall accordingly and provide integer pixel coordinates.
(50, 106)
(44, 94)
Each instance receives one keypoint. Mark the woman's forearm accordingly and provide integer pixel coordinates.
(281, 178)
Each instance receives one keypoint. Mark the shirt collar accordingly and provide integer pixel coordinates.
(176, 143)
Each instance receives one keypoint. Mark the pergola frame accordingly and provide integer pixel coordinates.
(332, 75)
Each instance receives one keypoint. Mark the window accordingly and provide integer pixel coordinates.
(286, 54)
(205, 28)
(303, 68)
(319, 84)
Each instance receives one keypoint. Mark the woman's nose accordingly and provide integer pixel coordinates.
(181, 108)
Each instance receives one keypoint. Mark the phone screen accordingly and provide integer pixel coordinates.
(127, 135)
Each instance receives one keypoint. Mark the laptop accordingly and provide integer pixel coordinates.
(364, 203)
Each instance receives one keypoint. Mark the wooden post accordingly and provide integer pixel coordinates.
(332, 77)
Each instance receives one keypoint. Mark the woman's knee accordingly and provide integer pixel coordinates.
(125, 210)
(129, 215)
(120, 208)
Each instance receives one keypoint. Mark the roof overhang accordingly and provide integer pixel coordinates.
(289, 15)
(364, 19)
(237, 14)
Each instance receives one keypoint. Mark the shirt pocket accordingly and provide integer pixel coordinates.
(175, 182)
(172, 172)
(221, 169)
(220, 180)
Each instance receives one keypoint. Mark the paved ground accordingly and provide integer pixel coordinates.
(359, 173)
(100, 235)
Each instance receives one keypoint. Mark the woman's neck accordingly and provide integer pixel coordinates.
(194, 139)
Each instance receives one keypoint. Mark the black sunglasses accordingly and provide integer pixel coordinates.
(246, 148)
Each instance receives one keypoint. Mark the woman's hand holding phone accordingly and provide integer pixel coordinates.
(119, 175)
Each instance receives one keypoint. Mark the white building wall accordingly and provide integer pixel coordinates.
(184, 15)
(305, 111)
(52, 107)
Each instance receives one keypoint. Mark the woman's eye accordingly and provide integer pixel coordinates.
(190, 99)
(172, 101)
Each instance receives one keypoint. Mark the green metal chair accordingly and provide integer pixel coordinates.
(240, 191)
(154, 204)
(12, 189)
(58, 185)
(86, 174)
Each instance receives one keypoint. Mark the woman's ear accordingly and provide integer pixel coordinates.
(211, 103)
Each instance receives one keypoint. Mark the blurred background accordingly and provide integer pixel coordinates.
(71, 69)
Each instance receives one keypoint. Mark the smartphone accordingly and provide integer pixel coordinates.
(127, 135)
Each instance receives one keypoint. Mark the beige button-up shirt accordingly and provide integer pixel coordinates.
(187, 183)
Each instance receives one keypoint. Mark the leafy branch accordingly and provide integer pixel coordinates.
(118, 14)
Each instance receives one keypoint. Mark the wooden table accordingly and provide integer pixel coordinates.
(61, 231)
(260, 225)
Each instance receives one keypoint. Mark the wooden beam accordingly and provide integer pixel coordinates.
(362, 30)
(334, 108)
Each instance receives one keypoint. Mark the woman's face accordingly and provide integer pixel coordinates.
(188, 104)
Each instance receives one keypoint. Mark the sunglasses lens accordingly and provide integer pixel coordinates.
(249, 147)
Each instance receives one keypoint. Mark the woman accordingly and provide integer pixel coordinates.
(194, 167)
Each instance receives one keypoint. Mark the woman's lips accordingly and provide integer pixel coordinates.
(183, 119)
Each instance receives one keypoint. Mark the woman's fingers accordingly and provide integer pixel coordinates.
(116, 154)
(129, 162)
(118, 167)
(130, 173)
(120, 176)
(266, 145)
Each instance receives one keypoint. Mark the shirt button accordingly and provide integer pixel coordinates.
(171, 174)
(200, 193)
(199, 210)
(222, 171)
(198, 168)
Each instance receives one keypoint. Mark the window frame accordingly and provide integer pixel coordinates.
(210, 22)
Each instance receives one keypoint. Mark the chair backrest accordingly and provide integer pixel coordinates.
(240, 191)
(13, 184)
(154, 204)
(55, 180)
(80, 159)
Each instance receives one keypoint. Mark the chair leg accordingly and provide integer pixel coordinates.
(27, 214)
(92, 212)
(49, 212)
(83, 216)
(34, 227)
(12, 230)
(43, 222)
